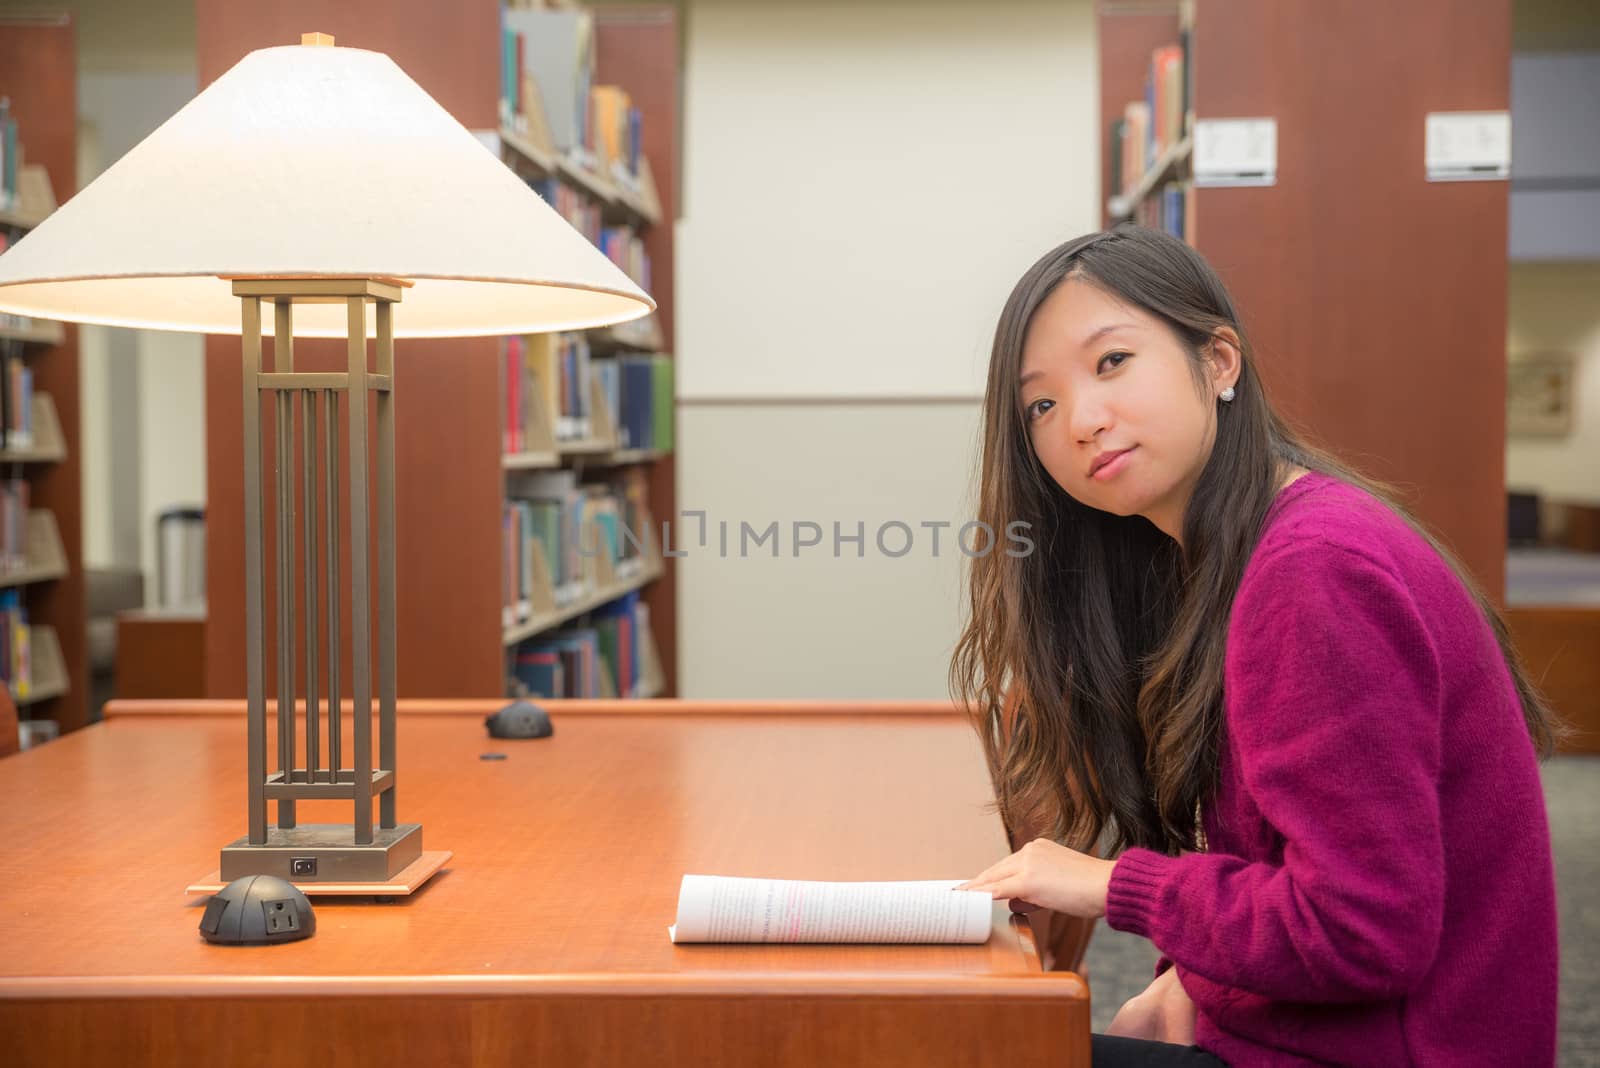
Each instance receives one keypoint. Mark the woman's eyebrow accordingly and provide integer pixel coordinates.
(1104, 330)
(1090, 340)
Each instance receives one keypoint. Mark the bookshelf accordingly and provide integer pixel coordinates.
(38, 72)
(43, 332)
(545, 148)
(1375, 299)
(454, 473)
(44, 557)
(1171, 166)
(639, 206)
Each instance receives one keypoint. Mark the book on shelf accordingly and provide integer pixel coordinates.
(577, 653)
(548, 93)
(1117, 154)
(554, 381)
(556, 48)
(1156, 124)
(617, 630)
(546, 378)
(16, 655)
(16, 405)
(14, 494)
(714, 908)
(580, 211)
(643, 385)
(575, 537)
(1170, 208)
(623, 246)
(616, 134)
(10, 157)
(544, 508)
(602, 657)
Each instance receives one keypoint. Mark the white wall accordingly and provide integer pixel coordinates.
(864, 182)
(1555, 307)
(143, 392)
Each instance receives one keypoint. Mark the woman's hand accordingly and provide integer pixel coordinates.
(1049, 876)
(1163, 1013)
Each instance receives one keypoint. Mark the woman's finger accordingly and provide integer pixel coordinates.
(1009, 886)
(989, 874)
(995, 871)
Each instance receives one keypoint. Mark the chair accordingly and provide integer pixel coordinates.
(10, 740)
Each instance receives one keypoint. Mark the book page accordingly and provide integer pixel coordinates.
(714, 908)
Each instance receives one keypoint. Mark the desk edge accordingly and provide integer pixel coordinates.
(1043, 985)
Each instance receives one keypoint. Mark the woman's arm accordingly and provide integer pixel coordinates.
(1162, 1013)
(1334, 718)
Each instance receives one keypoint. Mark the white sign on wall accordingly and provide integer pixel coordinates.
(1468, 145)
(1235, 152)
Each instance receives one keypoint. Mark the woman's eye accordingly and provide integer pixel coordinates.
(1038, 408)
(1112, 360)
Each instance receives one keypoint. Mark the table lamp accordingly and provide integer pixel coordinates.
(325, 181)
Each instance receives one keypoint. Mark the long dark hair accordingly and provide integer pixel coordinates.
(1092, 666)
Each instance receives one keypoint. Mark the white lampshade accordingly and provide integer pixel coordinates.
(319, 162)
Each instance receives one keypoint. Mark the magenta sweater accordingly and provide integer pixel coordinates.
(1378, 887)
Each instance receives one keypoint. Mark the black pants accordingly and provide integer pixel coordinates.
(1107, 1051)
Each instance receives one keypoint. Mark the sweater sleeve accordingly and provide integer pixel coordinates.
(1333, 711)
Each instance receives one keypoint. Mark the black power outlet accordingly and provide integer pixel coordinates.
(302, 867)
(282, 916)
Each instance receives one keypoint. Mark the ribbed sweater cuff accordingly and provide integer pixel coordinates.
(1136, 880)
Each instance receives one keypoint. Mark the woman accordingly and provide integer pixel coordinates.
(1245, 673)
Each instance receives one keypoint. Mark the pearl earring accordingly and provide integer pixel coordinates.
(1227, 394)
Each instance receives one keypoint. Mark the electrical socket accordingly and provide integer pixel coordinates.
(282, 917)
(302, 867)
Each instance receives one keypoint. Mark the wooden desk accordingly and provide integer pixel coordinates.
(161, 653)
(544, 941)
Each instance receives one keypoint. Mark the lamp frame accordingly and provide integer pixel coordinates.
(337, 853)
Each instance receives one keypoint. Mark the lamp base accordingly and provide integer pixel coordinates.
(324, 852)
(404, 884)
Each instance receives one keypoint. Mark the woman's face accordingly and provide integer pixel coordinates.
(1112, 405)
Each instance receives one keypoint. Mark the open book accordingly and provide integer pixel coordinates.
(715, 908)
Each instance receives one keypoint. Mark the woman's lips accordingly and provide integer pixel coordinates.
(1111, 463)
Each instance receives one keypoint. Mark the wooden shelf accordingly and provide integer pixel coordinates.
(48, 445)
(640, 207)
(586, 603)
(585, 446)
(42, 332)
(532, 156)
(607, 586)
(49, 667)
(529, 461)
(640, 335)
(599, 453)
(45, 556)
(620, 457)
(1167, 167)
(35, 199)
(601, 449)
